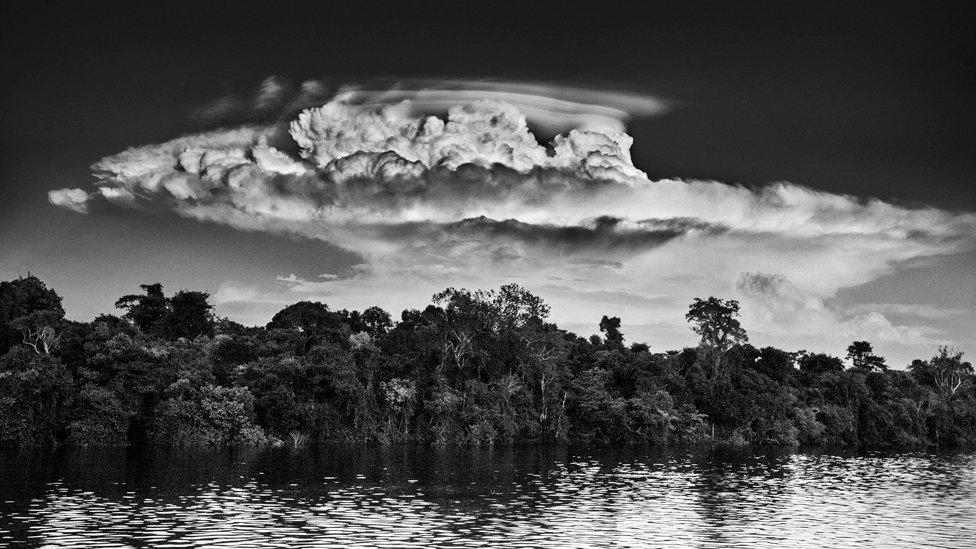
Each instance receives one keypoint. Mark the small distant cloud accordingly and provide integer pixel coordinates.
(907, 309)
(275, 98)
(72, 199)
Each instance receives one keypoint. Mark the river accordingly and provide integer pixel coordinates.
(470, 497)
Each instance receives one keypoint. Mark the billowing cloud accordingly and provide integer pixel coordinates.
(470, 197)
(776, 307)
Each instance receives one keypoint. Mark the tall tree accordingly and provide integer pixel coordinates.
(610, 326)
(20, 298)
(147, 311)
(309, 317)
(715, 321)
(517, 306)
(377, 321)
(945, 372)
(189, 315)
(862, 357)
(312, 323)
(466, 314)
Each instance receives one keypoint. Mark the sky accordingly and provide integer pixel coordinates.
(815, 163)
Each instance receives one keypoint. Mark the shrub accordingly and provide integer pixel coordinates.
(210, 415)
(100, 419)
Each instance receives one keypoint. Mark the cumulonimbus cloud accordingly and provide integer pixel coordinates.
(471, 197)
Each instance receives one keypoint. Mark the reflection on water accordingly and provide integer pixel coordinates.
(523, 497)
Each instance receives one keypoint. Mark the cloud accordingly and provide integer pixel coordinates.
(550, 109)
(907, 309)
(774, 307)
(472, 198)
(875, 326)
(72, 199)
(482, 133)
(275, 98)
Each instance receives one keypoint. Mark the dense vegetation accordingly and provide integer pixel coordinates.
(472, 368)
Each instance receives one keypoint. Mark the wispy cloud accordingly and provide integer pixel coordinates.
(918, 310)
(552, 109)
(275, 98)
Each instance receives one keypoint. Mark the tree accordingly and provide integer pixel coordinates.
(465, 314)
(377, 321)
(19, 298)
(477, 324)
(819, 363)
(476, 366)
(399, 395)
(715, 321)
(146, 311)
(25, 295)
(946, 372)
(862, 357)
(311, 322)
(518, 306)
(774, 363)
(40, 330)
(309, 317)
(610, 326)
(189, 315)
(35, 391)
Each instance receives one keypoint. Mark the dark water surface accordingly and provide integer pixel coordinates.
(522, 497)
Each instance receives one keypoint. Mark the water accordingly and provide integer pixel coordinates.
(523, 497)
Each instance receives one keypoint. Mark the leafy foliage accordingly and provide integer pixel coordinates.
(474, 367)
(20, 299)
(862, 356)
(187, 314)
(715, 321)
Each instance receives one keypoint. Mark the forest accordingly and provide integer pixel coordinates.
(472, 368)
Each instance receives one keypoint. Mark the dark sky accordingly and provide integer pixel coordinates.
(865, 101)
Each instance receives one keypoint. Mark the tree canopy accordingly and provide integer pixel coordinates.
(862, 356)
(715, 321)
(21, 298)
(472, 367)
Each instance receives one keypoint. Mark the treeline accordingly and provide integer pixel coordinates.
(478, 367)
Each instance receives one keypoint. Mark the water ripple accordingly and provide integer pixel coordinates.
(528, 497)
